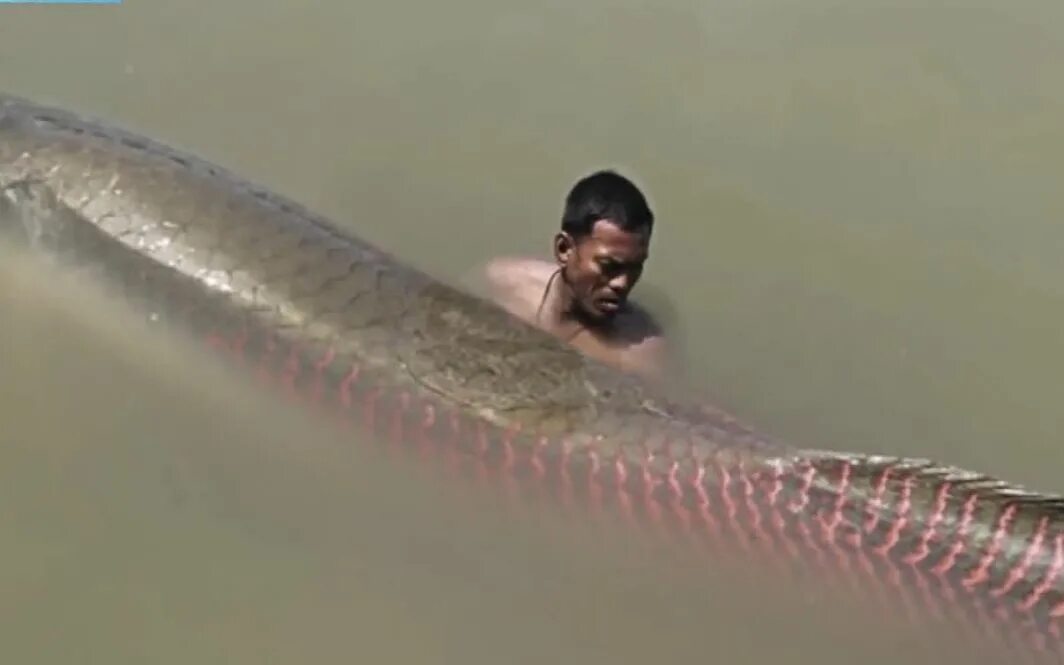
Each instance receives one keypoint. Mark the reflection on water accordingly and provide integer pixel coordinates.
(859, 239)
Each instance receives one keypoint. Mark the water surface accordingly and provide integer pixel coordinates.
(858, 248)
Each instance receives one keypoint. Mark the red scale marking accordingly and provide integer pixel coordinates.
(923, 549)
(980, 573)
(449, 445)
(1034, 548)
(831, 525)
(897, 524)
(289, 373)
(762, 491)
(984, 617)
(539, 469)
(456, 426)
(875, 504)
(730, 509)
(423, 439)
(509, 459)
(481, 450)
(620, 474)
(349, 380)
(508, 456)
(428, 418)
(1050, 579)
(705, 509)
(900, 520)
(967, 514)
(593, 483)
(854, 538)
(709, 536)
(777, 514)
(725, 493)
(676, 499)
(751, 504)
(318, 387)
(565, 480)
(650, 483)
(669, 499)
(797, 507)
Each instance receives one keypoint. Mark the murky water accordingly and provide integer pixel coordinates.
(858, 249)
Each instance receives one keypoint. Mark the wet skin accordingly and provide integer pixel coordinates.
(583, 296)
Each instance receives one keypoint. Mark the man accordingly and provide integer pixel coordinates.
(582, 297)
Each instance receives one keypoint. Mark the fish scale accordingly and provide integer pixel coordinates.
(341, 324)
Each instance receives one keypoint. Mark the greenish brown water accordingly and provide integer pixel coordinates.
(858, 243)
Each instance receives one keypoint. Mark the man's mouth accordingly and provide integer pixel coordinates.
(609, 304)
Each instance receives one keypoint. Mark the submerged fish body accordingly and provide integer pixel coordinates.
(193, 246)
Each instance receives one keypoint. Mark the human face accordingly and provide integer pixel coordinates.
(600, 269)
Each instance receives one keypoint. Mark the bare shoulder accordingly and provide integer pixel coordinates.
(516, 272)
(517, 283)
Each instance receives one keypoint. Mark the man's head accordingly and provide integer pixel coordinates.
(603, 243)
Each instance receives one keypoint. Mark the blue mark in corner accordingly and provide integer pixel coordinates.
(60, 2)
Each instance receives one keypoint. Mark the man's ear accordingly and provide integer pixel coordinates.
(564, 246)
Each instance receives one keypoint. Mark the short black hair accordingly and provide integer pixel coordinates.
(605, 195)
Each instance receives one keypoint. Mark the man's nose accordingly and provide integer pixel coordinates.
(620, 283)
